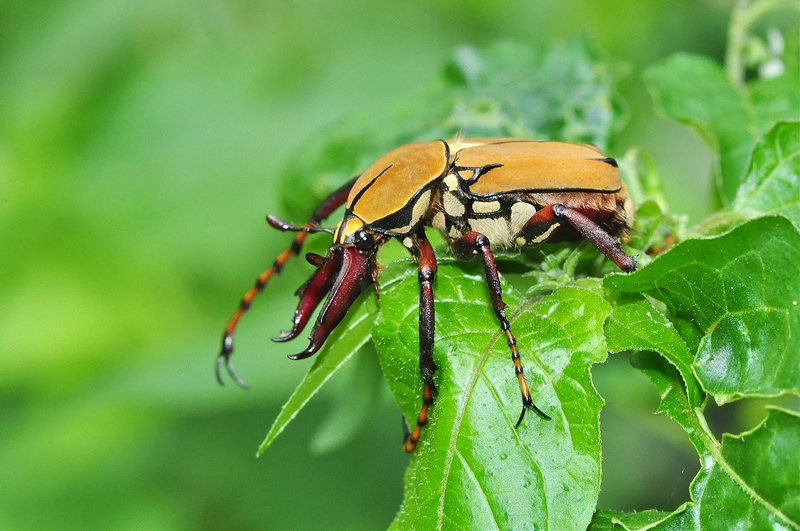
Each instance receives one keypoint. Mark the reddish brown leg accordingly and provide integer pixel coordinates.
(480, 243)
(331, 203)
(427, 274)
(596, 236)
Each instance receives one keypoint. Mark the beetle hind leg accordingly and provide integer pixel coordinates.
(224, 357)
(480, 243)
(597, 237)
(527, 401)
(589, 230)
(426, 259)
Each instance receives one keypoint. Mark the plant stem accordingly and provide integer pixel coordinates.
(733, 54)
(743, 16)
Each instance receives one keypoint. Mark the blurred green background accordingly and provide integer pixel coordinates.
(140, 147)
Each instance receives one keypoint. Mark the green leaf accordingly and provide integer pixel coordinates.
(608, 520)
(349, 412)
(650, 229)
(750, 482)
(734, 298)
(350, 336)
(472, 468)
(772, 183)
(508, 89)
(674, 400)
(641, 178)
(635, 325)
(695, 90)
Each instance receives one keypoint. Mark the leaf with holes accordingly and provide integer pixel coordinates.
(735, 299)
(616, 520)
(748, 482)
(472, 468)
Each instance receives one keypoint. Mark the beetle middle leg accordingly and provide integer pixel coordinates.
(423, 252)
(480, 243)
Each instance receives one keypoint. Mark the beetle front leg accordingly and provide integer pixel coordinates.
(326, 208)
(480, 243)
(426, 259)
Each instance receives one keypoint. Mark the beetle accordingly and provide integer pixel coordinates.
(482, 194)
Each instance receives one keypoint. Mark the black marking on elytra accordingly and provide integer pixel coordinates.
(477, 171)
(609, 160)
(361, 192)
(402, 217)
(543, 191)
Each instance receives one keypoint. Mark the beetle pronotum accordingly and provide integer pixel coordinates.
(480, 193)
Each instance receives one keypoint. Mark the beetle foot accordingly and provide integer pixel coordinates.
(530, 405)
(225, 357)
(310, 351)
(284, 336)
(630, 265)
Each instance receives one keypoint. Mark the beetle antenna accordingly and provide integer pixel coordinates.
(281, 225)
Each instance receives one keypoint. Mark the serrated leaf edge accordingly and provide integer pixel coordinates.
(714, 448)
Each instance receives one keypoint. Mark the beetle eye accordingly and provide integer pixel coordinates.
(363, 241)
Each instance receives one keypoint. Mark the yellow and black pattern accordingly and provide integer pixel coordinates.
(481, 194)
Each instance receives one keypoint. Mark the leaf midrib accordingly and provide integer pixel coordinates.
(469, 388)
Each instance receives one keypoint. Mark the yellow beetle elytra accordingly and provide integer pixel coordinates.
(480, 193)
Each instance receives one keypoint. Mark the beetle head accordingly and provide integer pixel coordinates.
(346, 271)
(348, 229)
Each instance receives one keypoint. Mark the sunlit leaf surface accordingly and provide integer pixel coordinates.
(472, 468)
(739, 294)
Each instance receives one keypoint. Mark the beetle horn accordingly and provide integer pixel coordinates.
(312, 292)
(355, 275)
